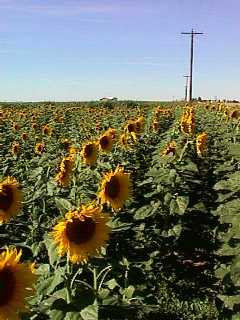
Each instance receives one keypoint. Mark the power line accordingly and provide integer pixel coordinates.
(192, 33)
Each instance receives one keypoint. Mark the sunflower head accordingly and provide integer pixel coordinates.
(115, 188)
(124, 140)
(63, 177)
(131, 126)
(106, 142)
(47, 130)
(15, 126)
(111, 132)
(40, 148)
(34, 126)
(82, 233)
(10, 199)
(89, 153)
(24, 136)
(169, 149)
(15, 148)
(201, 144)
(155, 125)
(16, 284)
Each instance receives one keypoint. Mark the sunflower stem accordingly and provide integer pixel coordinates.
(95, 279)
(107, 270)
(68, 281)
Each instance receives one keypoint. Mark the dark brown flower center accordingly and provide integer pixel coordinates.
(79, 231)
(104, 142)
(6, 198)
(7, 286)
(88, 151)
(112, 187)
(131, 127)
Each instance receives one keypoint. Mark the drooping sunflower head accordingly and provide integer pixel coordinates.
(10, 199)
(63, 177)
(15, 148)
(116, 188)
(40, 148)
(89, 153)
(106, 142)
(82, 233)
(16, 284)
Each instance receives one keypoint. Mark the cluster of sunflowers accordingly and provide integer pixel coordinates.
(231, 112)
(16, 278)
(188, 121)
(132, 131)
(159, 112)
(79, 235)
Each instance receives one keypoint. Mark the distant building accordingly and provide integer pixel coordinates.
(104, 99)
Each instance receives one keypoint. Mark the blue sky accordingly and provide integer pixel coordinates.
(131, 49)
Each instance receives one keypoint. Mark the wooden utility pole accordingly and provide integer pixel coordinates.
(192, 33)
(186, 87)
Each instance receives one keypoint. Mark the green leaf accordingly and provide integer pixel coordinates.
(73, 316)
(111, 284)
(129, 291)
(47, 286)
(52, 250)
(56, 315)
(63, 205)
(182, 202)
(90, 312)
(235, 151)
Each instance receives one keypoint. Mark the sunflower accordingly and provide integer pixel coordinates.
(15, 126)
(47, 130)
(124, 140)
(89, 153)
(16, 284)
(170, 148)
(24, 136)
(155, 125)
(10, 199)
(39, 148)
(201, 144)
(106, 142)
(111, 132)
(82, 233)
(64, 175)
(115, 188)
(34, 126)
(15, 148)
(131, 126)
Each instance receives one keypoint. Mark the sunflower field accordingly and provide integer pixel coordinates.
(119, 210)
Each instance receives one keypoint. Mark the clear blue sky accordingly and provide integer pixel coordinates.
(131, 49)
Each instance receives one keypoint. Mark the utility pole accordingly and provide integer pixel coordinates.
(186, 87)
(192, 33)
